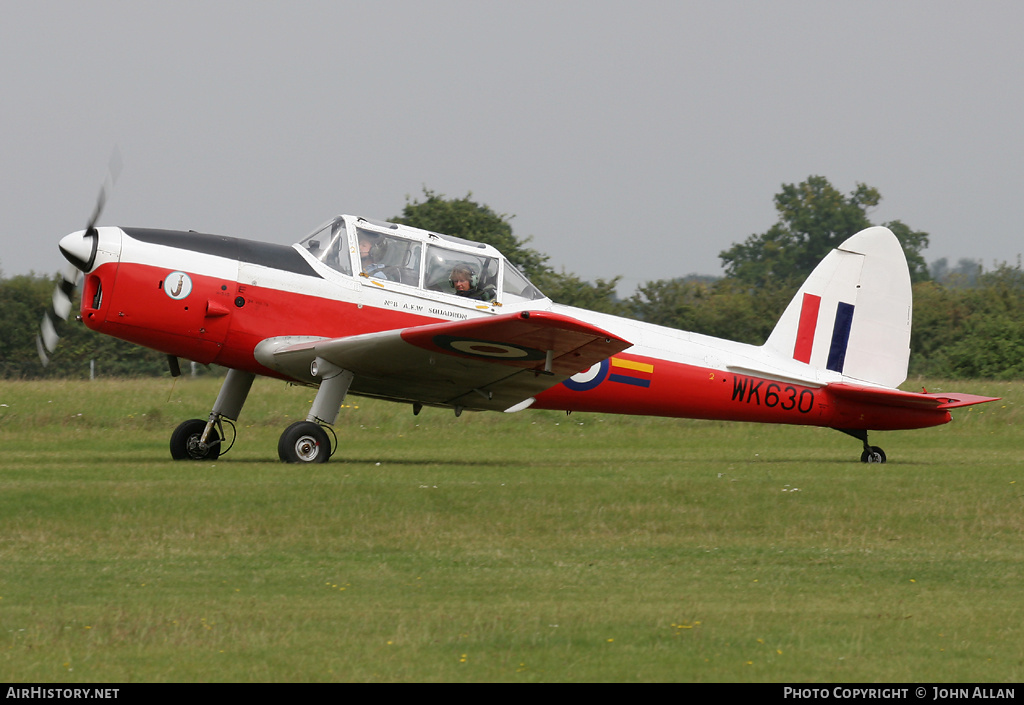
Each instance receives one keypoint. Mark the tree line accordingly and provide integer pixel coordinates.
(968, 322)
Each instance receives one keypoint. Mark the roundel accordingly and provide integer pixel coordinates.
(487, 348)
(177, 285)
(588, 378)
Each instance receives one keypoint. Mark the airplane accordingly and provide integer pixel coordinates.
(384, 310)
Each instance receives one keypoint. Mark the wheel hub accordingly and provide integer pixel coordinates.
(307, 448)
(196, 448)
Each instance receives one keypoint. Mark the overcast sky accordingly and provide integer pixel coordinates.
(638, 138)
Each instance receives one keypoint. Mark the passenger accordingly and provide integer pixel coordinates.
(466, 283)
(371, 247)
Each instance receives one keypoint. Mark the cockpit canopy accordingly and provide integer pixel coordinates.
(420, 259)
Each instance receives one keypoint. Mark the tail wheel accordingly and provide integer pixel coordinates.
(186, 445)
(874, 454)
(304, 442)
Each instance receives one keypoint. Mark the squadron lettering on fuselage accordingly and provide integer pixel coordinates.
(747, 390)
(433, 311)
(447, 314)
(405, 306)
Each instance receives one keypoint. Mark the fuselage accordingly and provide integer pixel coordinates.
(213, 299)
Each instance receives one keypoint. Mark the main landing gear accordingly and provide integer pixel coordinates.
(871, 454)
(306, 441)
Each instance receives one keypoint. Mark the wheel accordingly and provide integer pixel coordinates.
(185, 443)
(874, 455)
(304, 442)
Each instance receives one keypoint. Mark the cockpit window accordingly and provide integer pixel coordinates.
(464, 274)
(515, 286)
(380, 254)
(329, 244)
(389, 257)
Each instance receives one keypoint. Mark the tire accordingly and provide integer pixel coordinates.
(185, 442)
(874, 455)
(304, 442)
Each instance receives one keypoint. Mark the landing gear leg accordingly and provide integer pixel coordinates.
(307, 441)
(196, 439)
(871, 454)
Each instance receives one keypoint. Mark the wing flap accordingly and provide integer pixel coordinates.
(491, 363)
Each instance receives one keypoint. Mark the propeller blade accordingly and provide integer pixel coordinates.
(62, 295)
(113, 171)
(59, 310)
(101, 201)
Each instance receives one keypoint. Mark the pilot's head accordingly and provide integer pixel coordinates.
(369, 245)
(463, 278)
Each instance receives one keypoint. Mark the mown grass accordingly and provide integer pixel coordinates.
(527, 547)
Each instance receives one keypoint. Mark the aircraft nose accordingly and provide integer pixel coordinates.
(79, 248)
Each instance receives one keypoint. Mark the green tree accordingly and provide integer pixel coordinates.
(569, 289)
(763, 272)
(721, 308)
(964, 274)
(814, 217)
(970, 332)
(23, 300)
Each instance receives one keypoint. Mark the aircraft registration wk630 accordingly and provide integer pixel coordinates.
(388, 311)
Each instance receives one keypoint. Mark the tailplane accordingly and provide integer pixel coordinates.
(853, 313)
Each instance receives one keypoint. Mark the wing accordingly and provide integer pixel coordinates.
(908, 400)
(491, 363)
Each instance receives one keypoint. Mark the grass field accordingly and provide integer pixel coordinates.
(526, 547)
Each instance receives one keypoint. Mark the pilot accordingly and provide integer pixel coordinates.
(466, 283)
(371, 247)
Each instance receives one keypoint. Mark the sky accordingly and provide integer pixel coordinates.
(637, 138)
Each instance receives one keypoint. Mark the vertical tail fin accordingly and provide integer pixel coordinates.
(853, 313)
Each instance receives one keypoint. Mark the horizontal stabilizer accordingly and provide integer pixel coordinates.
(906, 400)
(955, 401)
(773, 375)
